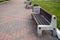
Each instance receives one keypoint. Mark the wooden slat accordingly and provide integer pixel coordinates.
(46, 14)
(40, 20)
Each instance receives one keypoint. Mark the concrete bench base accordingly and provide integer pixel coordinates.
(58, 33)
(28, 6)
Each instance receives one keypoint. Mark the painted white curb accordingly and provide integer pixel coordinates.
(58, 33)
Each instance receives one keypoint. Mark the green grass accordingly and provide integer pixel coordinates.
(3, 0)
(52, 6)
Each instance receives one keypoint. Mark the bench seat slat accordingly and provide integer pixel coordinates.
(40, 20)
(45, 14)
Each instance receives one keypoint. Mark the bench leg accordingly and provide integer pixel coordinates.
(32, 17)
(25, 6)
(39, 32)
(54, 33)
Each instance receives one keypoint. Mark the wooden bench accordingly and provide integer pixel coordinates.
(45, 21)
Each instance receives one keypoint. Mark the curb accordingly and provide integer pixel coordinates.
(4, 2)
(58, 33)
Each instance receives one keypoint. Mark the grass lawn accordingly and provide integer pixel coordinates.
(53, 7)
(3, 0)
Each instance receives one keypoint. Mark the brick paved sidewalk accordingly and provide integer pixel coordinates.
(16, 23)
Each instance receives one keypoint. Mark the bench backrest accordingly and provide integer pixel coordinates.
(46, 15)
